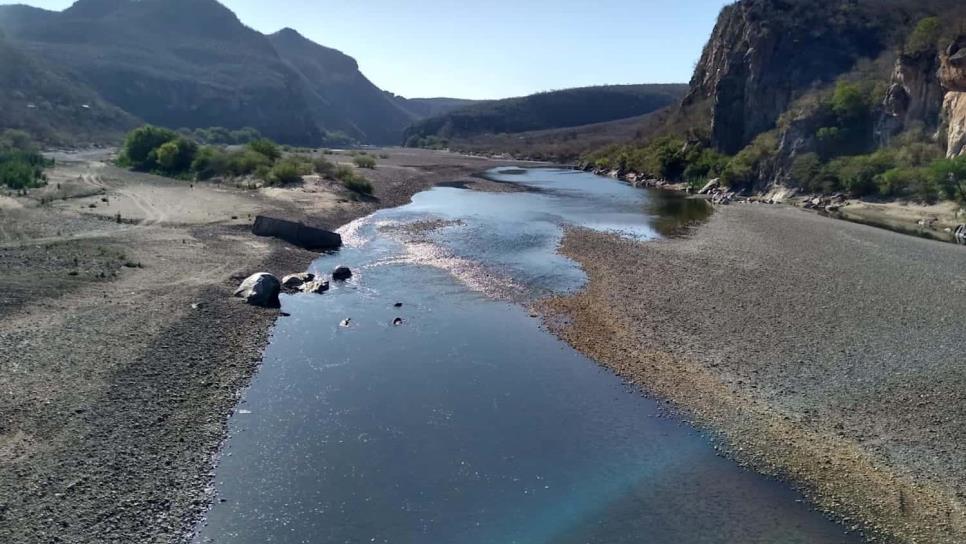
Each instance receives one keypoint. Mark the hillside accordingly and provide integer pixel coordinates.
(338, 94)
(431, 107)
(550, 110)
(51, 106)
(193, 64)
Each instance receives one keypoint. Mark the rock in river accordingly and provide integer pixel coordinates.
(304, 236)
(341, 273)
(296, 281)
(316, 287)
(260, 289)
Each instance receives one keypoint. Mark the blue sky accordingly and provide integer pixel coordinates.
(497, 48)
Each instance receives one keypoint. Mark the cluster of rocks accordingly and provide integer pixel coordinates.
(262, 289)
(720, 195)
(831, 203)
(634, 178)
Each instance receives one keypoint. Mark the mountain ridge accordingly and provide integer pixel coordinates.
(219, 72)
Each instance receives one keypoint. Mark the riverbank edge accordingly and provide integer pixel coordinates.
(834, 474)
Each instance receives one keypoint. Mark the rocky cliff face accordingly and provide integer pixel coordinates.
(952, 74)
(915, 96)
(763, 54)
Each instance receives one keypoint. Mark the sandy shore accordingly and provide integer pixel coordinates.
(824, 352)
(121, 351)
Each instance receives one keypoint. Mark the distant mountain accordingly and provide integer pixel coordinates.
(52, 106)
(192, 63)
(431, 107)
(557, 109)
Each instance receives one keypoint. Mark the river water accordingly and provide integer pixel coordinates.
(468, 423)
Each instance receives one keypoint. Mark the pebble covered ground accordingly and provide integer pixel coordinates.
(825, 352)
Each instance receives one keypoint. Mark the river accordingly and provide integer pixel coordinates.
(468, 422)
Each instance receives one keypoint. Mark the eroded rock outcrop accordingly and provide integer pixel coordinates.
(915, 97)
(952, 73)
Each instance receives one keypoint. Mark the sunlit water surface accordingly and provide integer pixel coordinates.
(469, 423)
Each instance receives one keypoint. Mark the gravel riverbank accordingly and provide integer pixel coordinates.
(121, 350)
(824, 352)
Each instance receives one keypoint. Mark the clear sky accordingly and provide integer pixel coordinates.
(497, 48)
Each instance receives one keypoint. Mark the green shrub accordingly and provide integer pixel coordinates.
(248, 161)
(176, 157)
(288, 171)
(210, 162)
(139, 151)
(925, 37)
(352, 180)
(744, 168)
(266, 148)
(909, 182)
(21, 164)
(323, 167)
(949, 176)
(364, 161)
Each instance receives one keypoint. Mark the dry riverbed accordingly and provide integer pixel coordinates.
(121, 351)
(821, 351)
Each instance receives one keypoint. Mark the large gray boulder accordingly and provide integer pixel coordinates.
(297, 234)
(260, 289)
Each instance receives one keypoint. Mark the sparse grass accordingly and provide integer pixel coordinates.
(352, 181)
(365, 161)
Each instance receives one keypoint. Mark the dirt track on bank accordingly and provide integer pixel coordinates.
(822, 351)
(121, 351)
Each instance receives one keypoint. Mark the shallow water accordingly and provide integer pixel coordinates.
(469, 423)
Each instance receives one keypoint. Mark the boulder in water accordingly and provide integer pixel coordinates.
(304, 236)
(316, 287)
(341, 273)
(260, 289)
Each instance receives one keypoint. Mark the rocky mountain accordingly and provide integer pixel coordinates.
(771, 66)
(763, 54)
(550, 110)
(51, 105)
(338, 95)
(192, 63)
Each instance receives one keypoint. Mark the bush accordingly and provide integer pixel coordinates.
(925, 37)
(176, 157)
(287, 171)
(248, 161)
(323, 167)
(267, 148)
(364, 161)
(744, 168)
(353, 181)
(908, 181)
(21, 164)
(949, 176)
(210, 162)
(140, 147)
